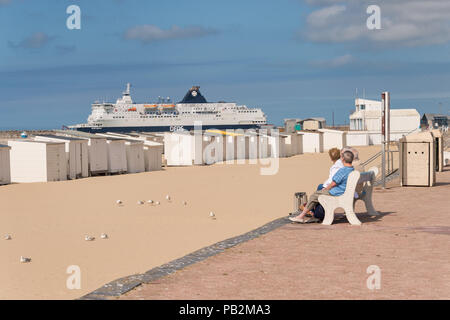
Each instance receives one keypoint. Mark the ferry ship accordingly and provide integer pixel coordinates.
(127, 116)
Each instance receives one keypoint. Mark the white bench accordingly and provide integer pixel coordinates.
(356, 181)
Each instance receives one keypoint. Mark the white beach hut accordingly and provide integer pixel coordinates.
(293, 144)
(215, 147)
(153, 155)
(357, 138)
(5, 170)
(135, 156)
(184, 148)
(76, 154)
(37, 161)
(117, 155)
(152, 151)
(97, 150)
(277, 145)
(312, 141)
(333, 139)
(178, 148)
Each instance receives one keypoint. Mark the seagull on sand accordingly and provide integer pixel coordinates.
(150, 201)
(168, 198)
(8, 237)
(89, 238)
(212, 215)
(140, 202)
(24, 260)
(104, 236)
(119, 202)
(184, 203)
(157, 202)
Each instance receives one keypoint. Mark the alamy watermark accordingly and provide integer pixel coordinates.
(227, 147)
(73, 282)
(374, 20)
(374, 280)
(74, 20)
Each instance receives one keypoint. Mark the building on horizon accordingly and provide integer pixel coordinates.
(434, 121)
(367, 117)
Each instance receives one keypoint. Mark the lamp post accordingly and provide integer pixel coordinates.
(385, 133)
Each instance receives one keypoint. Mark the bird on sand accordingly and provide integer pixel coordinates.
(24, 259)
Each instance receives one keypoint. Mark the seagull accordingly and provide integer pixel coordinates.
(140, 202)
(184, 203)
(8, 237)
(104, 236)
(89, 238)
(212, 215)
(119, 202)
(150, 201)
(24, 260)
(168, 198)
(157, 202)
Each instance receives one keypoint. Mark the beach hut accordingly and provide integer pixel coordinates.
(293, 144)
(215, 148)
(276, 145)
(333, 139)
(98, 155)
(117, 155)
(153, 155)
(312, 141)
(5, 170)
(357, 138)
(178, 148)
(417, 160)
(37, 161)
(76, 154)
(97, 150)
(439, 149)
(135, 156)
(151, 151)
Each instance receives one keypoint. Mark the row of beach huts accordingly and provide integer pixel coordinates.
(67, 154)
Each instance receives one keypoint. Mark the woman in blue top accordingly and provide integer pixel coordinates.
(336, 188)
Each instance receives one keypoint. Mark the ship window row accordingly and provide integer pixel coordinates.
(248, 111)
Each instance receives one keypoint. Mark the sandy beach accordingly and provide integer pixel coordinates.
(48, 221)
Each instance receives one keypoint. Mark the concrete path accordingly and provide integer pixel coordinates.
(409, 243)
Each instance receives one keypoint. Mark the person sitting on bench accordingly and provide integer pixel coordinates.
(336, 188)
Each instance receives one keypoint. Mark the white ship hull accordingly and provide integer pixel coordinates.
(126, 116)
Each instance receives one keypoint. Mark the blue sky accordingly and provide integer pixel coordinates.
(292, 58)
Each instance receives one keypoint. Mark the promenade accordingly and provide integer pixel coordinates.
(409, 242)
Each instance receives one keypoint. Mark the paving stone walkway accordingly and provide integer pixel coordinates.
(408, 243)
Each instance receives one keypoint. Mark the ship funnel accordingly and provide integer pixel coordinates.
(193, 96)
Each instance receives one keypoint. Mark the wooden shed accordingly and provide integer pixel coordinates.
(417, 160)
(37, 161)
(77, 154)
(5, 170)
(333, 139)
